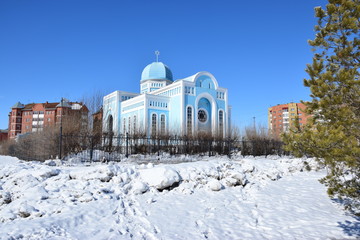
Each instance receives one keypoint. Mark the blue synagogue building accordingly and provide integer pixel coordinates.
(185, 106)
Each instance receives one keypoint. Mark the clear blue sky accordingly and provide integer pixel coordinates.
(256, 49)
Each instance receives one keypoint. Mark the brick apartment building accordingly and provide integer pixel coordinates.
(282, 117)
(35, 117)
(3, 135)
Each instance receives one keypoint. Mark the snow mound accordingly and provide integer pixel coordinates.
(160, 177)
(139, 187)
(214, 185)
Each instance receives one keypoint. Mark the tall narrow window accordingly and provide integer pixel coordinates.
(153, 124)
(110, 124)
(221, 123)
(189, 121)
(134, 123)
(124, 125)
(129, 125)
(162, 124)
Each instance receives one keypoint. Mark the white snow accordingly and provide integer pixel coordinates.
(212, 198)
(159, 177)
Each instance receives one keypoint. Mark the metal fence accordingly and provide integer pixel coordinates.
(116, 148)
(110, 148)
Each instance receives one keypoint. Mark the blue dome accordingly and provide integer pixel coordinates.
(156, 70)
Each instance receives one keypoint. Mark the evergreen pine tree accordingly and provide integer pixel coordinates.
(333, 132)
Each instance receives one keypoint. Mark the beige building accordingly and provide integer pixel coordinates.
(282, 117)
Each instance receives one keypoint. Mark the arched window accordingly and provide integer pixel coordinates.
(153, 124)
(162, 124)
(189, 120)
(110, 124)
(221, 123)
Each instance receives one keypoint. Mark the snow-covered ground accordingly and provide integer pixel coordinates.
(215, 198)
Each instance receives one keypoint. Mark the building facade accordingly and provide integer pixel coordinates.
(165, 106)
(3, 135)
(34, 117)
(282, 117)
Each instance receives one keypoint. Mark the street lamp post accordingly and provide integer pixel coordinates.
(60, 137)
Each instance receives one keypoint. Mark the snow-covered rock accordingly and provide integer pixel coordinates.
(214, 185)
(160, 177)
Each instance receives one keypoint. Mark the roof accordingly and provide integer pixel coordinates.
(53, 105)
(50, 105)
(18, 105)
(156, 70)
(29, 106)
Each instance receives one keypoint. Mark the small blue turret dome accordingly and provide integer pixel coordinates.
(156, 70)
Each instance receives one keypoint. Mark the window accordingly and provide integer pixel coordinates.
(202, 116)
(49, 119)
(189, 120)
(153, 124)
(221, 123)
(124, 125)
(134, 124)
(129, 125)
(162, 124)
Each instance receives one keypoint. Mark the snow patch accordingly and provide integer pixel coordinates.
(160, 177)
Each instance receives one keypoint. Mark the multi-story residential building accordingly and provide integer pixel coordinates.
(282, 117)
(34, 117)
(3, 135)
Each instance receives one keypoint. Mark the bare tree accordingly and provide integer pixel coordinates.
(94, 102)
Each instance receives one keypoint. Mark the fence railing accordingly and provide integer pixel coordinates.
(110, 148)
(116, 148)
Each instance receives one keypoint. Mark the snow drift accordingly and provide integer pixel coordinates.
(217, 197)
